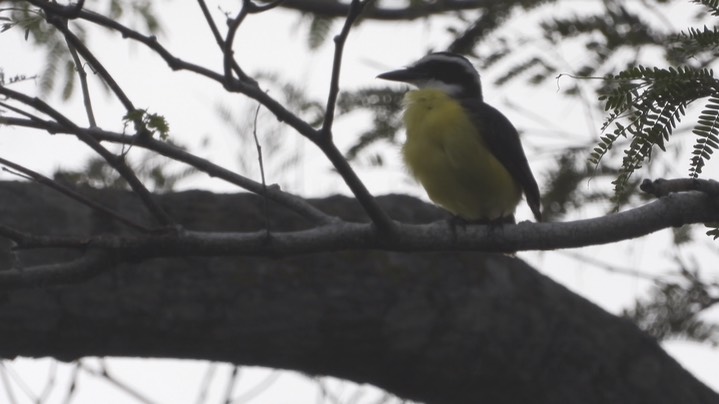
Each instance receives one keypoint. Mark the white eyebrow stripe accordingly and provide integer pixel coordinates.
(446, 58)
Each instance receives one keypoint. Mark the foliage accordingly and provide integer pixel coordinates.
(674, 309)
(653, 101)
(149, 123)
(57, 68)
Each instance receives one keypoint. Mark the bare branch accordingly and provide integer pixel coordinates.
(124, 387)
(87, 101)
(274, 193)
(356, 7)
(662, 187)
(231, 383)
(8, 385)
(380, 218)
(216, 34)
(385, 226)
(75, 43)
(20, 112)
(117, 162)
(227, 52)
(248, 7)
(262, 170)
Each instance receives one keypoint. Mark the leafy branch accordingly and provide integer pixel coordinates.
(645, 105)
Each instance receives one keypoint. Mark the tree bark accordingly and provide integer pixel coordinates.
(433, 327)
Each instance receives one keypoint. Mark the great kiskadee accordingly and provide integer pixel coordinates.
(465, 153)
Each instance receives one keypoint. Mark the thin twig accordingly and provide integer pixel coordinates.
(49, 383)
(73, 383)
(356, 7)
(26, 389)
(230, 64)
(117, 383)
(231, 383)
(229, 55)
(266, 206)
(72, 194)
(248, 88)
(75, 42)
(20, 112)
(6, 381)
(205, 384)
(257, 389)
(216, 34)
(83, 81)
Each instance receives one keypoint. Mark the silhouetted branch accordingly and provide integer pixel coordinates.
(87, 101)
(274, 193)
(116, 162)
(661, 187)
(251, 89)
(672, 210)
(356, 7)
(75, 43)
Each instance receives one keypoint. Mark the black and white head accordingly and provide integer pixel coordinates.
(445, 71)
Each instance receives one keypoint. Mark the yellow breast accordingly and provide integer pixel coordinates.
(446, 153)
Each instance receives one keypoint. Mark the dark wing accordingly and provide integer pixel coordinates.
(503, 141)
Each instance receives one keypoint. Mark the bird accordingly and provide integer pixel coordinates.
(465, 153)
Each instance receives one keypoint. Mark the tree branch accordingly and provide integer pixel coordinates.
(355, 9)
(274, 193)
(662, 187)
(434, 327)
(82, 76)
(116, 162)
(673, 210)
(251, 89)
(416, 10)
(76, 44)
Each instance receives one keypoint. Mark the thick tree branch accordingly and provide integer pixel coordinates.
(434, 327)
(673, 210)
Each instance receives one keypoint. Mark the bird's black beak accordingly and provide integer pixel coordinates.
(408, 75)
